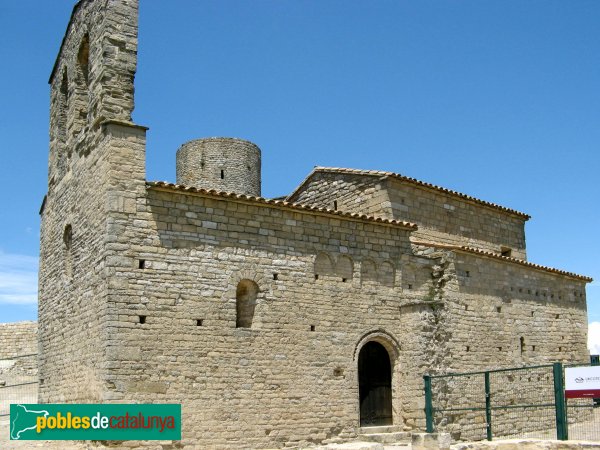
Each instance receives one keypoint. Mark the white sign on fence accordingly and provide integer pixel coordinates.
(582, 382)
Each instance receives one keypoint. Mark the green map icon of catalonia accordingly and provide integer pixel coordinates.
(23, 420)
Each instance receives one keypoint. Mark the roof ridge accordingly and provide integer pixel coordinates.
(415, 182)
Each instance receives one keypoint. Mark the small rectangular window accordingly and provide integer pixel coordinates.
(199, 322)
(142, 264)
(142, 319)
(505, 251)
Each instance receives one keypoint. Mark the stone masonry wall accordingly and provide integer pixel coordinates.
(497, 303)
(502, 315)
(346, 192)
(449, 220)
(92, 81)
(291, 377)
(18, 353)
(18, 338)
(223, 164)
(442, 218)
(141, 284)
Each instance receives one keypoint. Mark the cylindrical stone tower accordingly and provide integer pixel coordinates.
(224, 164)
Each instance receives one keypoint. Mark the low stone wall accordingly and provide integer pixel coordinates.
(18, 338)
(18, 353)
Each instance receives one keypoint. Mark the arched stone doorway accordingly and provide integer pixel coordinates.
(375, 385)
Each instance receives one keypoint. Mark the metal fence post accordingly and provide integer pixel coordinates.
(488, 407)
(562, 431)
(428, 404)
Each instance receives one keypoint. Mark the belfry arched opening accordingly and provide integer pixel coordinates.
(375, 385)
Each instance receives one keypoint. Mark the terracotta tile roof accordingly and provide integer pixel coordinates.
(488, 254)
(279, 203)
(414, 181)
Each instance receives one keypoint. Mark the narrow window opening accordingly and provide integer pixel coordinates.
(466, 307)
(344, 280)
(468, 348)
(499, 309)
(558, 316)
(335, 205)
(560, 349)
(199, 322)
(499, 349)
(246, 294)
(533, 348)
(532, 313)
(68, 250)
(142, 319)
(142, 264)
(275, 276)
(312, 328)
(467, 273)
(222, 174)
(410, 286)
(63, 105)
(316, 276)
(522, 342)
(83, 58)
(506, 252)
(80, 101)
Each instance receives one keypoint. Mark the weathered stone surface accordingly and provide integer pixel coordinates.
(253, 314)
(431, 441)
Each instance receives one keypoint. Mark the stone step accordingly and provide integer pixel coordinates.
(380, 429)
(364, 446)
(353, 446)
(399, 437)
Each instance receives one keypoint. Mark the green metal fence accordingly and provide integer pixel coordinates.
(523, 402)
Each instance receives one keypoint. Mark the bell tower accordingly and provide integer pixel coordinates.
(92, 79)
(96, 183)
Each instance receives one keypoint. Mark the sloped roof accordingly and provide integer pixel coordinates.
(414, 181)
(488, 254)
(280, 203)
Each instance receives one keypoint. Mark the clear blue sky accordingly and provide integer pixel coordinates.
(497, 99)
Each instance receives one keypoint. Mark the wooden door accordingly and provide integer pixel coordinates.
(375, 385)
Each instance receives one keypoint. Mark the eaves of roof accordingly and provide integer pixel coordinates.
(162, 185)
(508, 259)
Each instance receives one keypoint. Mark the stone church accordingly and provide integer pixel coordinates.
(274, 322)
